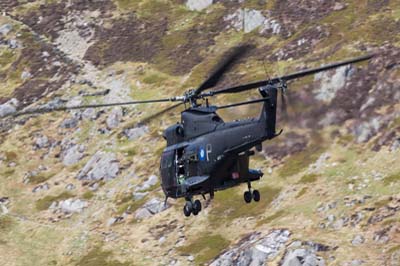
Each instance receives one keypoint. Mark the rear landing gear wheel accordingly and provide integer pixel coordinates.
(187, 209)
(256, 195)
(247, 196)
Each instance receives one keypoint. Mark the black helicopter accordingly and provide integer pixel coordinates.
(204, 154)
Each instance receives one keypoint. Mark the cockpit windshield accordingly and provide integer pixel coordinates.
(167, 159)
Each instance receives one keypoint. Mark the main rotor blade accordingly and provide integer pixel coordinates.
(66, 108)
(155, 115)
(224, 66)
(242, 103)
(296, 75)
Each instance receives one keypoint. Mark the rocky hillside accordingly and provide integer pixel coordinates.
(82, 187)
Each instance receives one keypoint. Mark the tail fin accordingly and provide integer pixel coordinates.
(268, 113)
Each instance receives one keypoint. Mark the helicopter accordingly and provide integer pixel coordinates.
(204, 154)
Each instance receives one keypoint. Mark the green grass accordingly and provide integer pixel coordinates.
(392, 179)
(42, 177)
(229, 206)
(154, 78)
(302, 192)
(97, 256)
(310, 178)
(6, 57)
(88, 195)
(128, 203)
(297, 162)
(6, 222)
(44, 203)
(271, 218)
(205, 248)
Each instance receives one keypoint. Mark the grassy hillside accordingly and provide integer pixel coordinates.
(72, 184)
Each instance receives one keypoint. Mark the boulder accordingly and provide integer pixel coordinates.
(302, 257)
(151, 181)
(102, 165)
(72, 155)
(114, 118)
(72, 205)
(5, 29)
(137, 132)
(246, 20)
(70, 123)
(150, 208)
(328, 83)
(198, 5)
(254, 249)
(42, 142)
(9, 107)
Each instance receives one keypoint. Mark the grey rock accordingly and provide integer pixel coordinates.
(114, 220)
(72, 155)
(142, 213)
(42, 142)
(246, 20)
(367, 129)
(9, 107)
(255, 250)
(70, 187)
(70, 123)
(270, 25)
(151, 181)
(150, 208)
(26, 75)
(198, 5)
(5, 29)
(41, 187)
(13, 44)
(102, 165)
(137, 132)
(90, 114)
(357, 240)
(72, 206)
(139, 195)
(356, 262)
(330, 84)
(331, 218)
(114, 118)
(300, 257)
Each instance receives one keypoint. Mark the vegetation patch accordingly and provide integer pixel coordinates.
(310, 178)
(88, 195)
(230, 206)
(271, 217)
(129, 204)
(97, 256)
(205, 248)
(40, 178)
(5, 223)
(44, 203)
(392, 179)
(302, 192)
(297, 162)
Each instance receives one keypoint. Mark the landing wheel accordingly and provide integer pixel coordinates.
(256, 195)
(247, 196)
(187, 209)
(196, 207)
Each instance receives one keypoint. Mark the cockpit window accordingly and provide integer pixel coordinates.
(167, 159)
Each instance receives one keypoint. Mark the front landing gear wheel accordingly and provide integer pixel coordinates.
(196, 207)
(256, 195)
(247, 197)
(187, 209)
